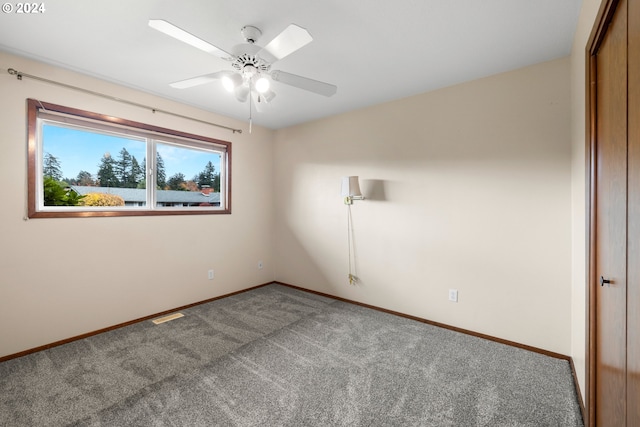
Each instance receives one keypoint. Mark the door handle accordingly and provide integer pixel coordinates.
(603, 281)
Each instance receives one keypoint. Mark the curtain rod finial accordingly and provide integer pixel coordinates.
(15, 72)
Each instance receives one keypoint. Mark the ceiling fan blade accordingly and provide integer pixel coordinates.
(311, 85)
(200, 80)
(186, 37)
(288, 41)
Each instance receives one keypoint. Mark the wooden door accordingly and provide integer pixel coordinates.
(611, 220)
(633, 217)
(614, 350)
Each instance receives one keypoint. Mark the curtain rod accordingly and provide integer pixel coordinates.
(19, 75)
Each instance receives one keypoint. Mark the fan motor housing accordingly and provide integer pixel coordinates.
(246, 59)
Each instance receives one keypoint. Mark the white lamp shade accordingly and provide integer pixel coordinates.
(242, 93)
(268, 95)
(231, 81)
(350, 187)
(262, 85)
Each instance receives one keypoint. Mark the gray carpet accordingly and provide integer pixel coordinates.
(276, 356)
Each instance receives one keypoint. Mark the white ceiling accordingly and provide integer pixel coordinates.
(373, 50)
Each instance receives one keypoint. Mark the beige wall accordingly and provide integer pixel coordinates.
(578, 187)
(478, 187)
(64, 277)
(468, 187)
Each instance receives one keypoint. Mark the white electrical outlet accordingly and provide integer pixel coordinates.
(453, 295)
(210, 274)
(260, 265)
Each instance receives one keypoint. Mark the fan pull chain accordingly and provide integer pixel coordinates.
(250, 102)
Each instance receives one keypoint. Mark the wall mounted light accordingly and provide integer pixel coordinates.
(351, 190)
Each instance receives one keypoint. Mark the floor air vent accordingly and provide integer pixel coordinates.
(167, 318)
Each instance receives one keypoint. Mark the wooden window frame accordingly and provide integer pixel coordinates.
(35, 106)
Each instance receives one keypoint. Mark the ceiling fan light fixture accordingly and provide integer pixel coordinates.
(268, 95)
(249, 71)
(262, 85)
(230, 82)
(242, 93)
(252, 74)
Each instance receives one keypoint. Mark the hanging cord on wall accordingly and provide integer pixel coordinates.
(19, 75)
(352, 277)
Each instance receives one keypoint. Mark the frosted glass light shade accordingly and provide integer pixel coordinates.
(230, 82)
(242, 93)
(268, 95)
(350, 187)
(262, 85)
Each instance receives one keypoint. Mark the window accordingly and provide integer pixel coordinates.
(87, 164)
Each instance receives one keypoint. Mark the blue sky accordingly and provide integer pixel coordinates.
(78, 150)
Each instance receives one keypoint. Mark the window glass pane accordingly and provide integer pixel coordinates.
(187, 176)
(84, 164)
(95, 169)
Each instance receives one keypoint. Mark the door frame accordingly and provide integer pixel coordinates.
(603, 19)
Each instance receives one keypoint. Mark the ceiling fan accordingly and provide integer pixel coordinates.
(251, 74)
